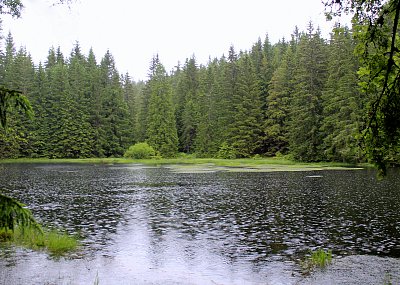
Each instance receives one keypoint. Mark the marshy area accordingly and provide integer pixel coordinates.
(206, 224)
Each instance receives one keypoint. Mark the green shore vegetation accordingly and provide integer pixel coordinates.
(316, 259)
(274, 163)
(55, 242)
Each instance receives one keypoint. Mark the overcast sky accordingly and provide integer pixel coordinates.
(135, 30)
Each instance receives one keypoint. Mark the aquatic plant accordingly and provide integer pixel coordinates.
(97, 280)
(55, 242)
(59, 243)
(388, 279)
(318, 258)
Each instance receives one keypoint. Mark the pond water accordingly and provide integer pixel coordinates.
(154, 225)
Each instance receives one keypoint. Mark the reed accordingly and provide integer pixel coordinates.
(317, 259)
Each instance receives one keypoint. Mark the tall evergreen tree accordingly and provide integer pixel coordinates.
(278, 104)
(245, 134)
(305, 138)
(114, 111)
(188, 119)
(130, 93)
(342, 102)
(227, 89)
(79, 104)
(95, 100)
(207, 138)
(161, 129)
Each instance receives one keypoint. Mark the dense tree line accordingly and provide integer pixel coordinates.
(298, 97)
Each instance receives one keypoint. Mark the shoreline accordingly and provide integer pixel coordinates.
(204, 164)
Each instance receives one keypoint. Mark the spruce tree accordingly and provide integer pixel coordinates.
(161, 128)
(207, 138)
(188, 119)
(278, 102)
(245, 133)
(79, 104)
(342, 102)
(305, 138)
(114, 110)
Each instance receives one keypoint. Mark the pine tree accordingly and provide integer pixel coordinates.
(130, 93)
(207, 139)
(114, 112)
(245, 134)
(57, 102)
(188, 118)
(38, 101)
(342, 102)
(161, 129)
(95, 102)
(227, 89)
(79, 105)
(305, 138)
(278, 103)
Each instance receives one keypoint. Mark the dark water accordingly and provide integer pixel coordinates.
(143, 225)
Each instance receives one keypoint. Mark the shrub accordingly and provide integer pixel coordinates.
(226, 151)
(140, 151)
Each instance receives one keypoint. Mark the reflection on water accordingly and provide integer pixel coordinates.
(149, 225)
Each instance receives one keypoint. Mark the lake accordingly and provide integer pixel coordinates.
(159, 225)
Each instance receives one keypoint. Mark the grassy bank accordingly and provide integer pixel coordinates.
(255, 164)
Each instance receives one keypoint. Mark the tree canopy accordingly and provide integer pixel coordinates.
(299, 98)
(376, 25)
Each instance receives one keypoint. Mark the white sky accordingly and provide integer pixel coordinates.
(135, 30)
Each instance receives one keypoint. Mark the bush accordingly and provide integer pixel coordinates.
(140, 151)
(226, 151)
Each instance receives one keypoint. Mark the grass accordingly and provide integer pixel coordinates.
(55, 242)
(317, 259)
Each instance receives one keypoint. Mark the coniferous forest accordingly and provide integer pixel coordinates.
(298, 97)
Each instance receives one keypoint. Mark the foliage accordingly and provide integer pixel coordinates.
(226, 151)
(10, 99)
(11, 7)
(294, 98)
(140, 151)
(341, 101)
(161, 132)
(305, 138)
(14, 213)
(377, 26)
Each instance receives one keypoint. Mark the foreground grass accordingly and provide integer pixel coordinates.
(257, 163)
(55, 242)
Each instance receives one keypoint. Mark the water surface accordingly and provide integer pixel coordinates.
(150, 225)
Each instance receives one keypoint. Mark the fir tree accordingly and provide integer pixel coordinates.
(245, 134)
(305, 138)
(342, 102)
(161, 130)
(188, 119)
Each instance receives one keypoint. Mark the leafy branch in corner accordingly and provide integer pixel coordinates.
(13, 213)
(376, 25)
(10, 99)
